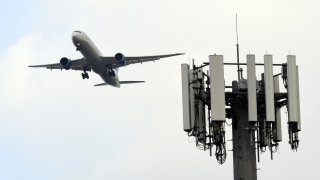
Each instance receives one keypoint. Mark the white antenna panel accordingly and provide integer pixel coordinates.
(278, 133)
(292, 84)
(269, 89)
(298, 97)
(217, 88)
(185, 97)
(252, 88)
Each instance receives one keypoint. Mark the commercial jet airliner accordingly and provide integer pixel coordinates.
(106, 67)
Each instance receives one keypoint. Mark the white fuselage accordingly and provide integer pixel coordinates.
(92, 56)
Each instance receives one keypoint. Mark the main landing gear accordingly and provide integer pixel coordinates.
(85, 75)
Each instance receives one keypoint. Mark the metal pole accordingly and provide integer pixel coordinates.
(244, 154)
(238, 63)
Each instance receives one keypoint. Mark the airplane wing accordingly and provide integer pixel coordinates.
(78, 64)
(110, 61)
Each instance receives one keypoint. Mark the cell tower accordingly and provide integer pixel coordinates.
(254, 105)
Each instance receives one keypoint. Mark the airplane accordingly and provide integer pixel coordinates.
(106, 67)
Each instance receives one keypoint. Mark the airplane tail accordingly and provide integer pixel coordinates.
(121, 82)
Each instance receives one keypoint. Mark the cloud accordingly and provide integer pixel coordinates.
(14, 74)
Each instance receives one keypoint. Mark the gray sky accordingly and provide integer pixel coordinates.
(55, 126)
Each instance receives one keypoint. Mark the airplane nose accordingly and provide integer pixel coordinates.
(75, 38)
(74, 34)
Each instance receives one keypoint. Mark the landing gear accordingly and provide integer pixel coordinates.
(85, 75)
(78, 47)
(111, 73)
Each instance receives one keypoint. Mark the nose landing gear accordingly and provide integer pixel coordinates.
(111, 73)
(78, 47)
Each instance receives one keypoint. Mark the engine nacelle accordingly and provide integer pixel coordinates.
(120, 58)
(65, 63)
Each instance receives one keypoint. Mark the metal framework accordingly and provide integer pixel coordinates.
(253, 105)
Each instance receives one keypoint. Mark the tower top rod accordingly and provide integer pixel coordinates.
(237, 28)
(238, 61)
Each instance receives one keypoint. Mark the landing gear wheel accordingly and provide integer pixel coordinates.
(85, 75)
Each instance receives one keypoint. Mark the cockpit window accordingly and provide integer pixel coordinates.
(78, 31)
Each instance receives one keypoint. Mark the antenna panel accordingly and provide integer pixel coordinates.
(200, 74)
(269, 89)
(185, 97)
(298, 97)
(292, 85)
(277, 132)
(217, 88)
(252, 88)
(192, 98)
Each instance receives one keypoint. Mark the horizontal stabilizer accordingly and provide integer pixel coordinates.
(131, 82)
(121, 82)
(102, 84)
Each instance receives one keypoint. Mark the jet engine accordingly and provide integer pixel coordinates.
(65, 63)
(120, 58)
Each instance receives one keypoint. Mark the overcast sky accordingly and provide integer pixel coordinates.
(56, 126)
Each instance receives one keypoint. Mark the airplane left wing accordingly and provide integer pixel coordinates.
(110, 61)
(78, 64)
